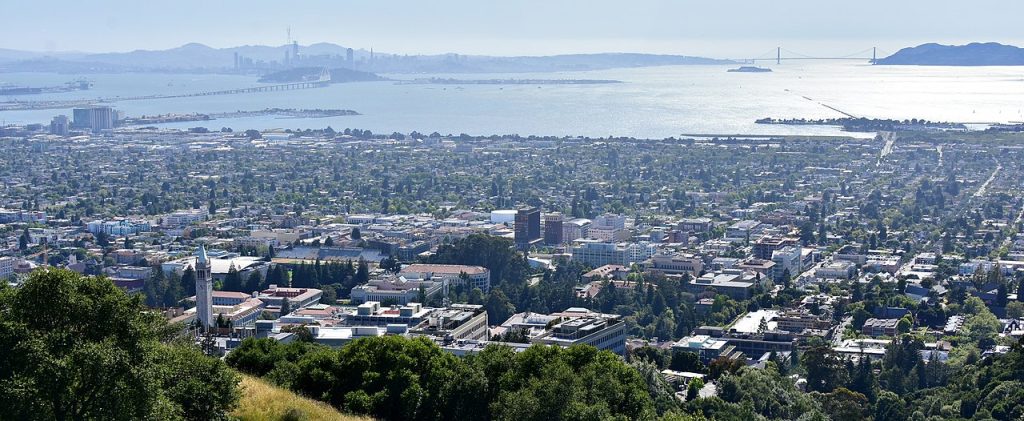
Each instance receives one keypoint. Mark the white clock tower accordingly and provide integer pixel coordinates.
(204, 290)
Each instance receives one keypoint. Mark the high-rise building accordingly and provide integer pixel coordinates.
(95, 118)
(204, 290)
(60, 125)
(236, 61)
(350, 58)
(553, 226)
(527, 228)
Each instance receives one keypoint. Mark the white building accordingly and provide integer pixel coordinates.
(597, 253)
(675, 264)
(610, 228)
(789, 259)
(838, 269)
(575, 228)
(6, 267)
(122, 227)
(184, 218)
(503, 216)
(478, 276)
(398, 290)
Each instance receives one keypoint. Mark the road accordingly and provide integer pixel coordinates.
(837, 338)
(981, 190)
(890, 141)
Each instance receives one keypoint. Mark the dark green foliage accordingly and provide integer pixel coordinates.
(393, 377)
(766, 392)
(78, 347)
(825, 370)
(497, 254)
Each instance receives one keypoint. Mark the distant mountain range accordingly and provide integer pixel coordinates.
(267, 59)
(975, 54)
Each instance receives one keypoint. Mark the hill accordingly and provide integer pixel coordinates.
(262, 401)
(975, 54)
(194, 57)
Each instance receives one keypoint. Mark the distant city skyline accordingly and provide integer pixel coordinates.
(529, 27)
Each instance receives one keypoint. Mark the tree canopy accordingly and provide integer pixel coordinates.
(393, 377)
(77, 347)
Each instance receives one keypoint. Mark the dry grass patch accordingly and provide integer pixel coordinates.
(262, 401)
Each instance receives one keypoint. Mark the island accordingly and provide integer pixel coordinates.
(750, 69)
(309, 74)
(974, 54)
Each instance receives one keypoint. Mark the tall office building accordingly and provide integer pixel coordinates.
(527, 230)
(350, 58)
(95, 118)
(553, 229)
(60, 125)
(204, 290)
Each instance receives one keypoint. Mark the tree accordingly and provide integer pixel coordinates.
(1015, 310)
(904, 325)
(103, 239)
(693, 389)
(766, 391)
(498, 307)
(77, 347)
(362, 272)
(889, 407)
(476, 296)
(233, 280)
(356, 234)
(286, 307)
(843, 404)
(825, 370)
(686, 361)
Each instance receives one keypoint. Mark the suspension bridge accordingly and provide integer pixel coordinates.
(779, 54)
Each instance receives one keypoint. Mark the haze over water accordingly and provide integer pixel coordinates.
(653, 102)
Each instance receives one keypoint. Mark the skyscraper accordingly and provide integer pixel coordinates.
(350, 57)
(95, 118)
(527, 229)
(553, 226)
(204, 290)
(59, 125)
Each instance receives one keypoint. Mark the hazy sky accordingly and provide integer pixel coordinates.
(717, 28)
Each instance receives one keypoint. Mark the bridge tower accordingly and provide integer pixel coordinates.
(778, 55)
(874, 54)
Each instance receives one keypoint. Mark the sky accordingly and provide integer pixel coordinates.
(712, 28)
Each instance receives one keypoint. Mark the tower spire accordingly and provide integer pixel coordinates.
(204, 290)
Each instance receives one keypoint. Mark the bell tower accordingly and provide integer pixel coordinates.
(204, 290)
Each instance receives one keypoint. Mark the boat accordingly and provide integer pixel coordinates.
(751, 69)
